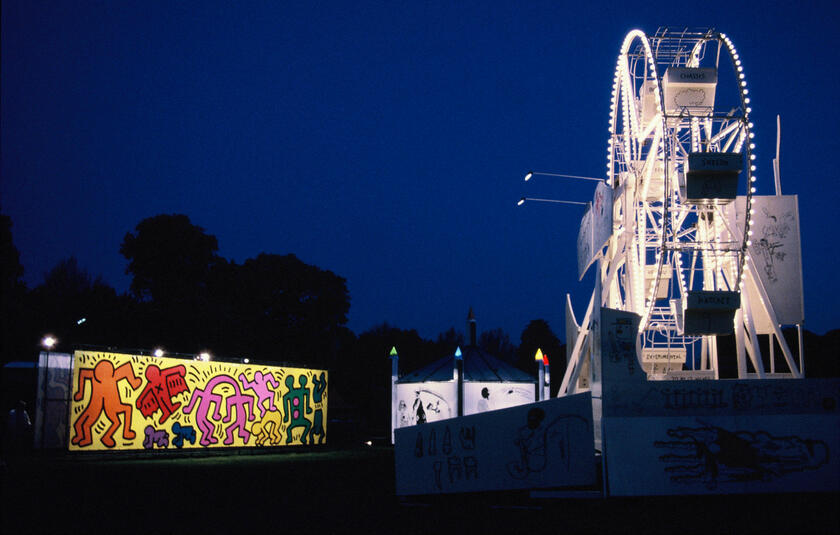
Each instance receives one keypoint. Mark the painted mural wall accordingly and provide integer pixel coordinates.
(483, 397)
(537, 445)
(132, 402)
(419, 403)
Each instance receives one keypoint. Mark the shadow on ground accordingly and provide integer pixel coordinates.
(345, 491)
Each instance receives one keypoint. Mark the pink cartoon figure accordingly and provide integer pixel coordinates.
(237, 403)
(260, 386)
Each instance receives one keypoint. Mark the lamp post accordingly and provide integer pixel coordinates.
(530, 174)
(521, 201)
(47, 342)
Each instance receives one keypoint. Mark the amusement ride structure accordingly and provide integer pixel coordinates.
(673, 228)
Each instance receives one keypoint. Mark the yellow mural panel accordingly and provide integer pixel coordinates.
(130, 402)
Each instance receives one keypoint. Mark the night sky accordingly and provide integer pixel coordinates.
(384, 141)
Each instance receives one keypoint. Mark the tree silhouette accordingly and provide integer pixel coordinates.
(538, 335)
(13, 309)
(171, 261)
(497, 343)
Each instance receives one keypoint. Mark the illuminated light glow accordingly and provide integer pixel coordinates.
(458, 354)
(520, 202)
(752, 189)
(528, 175)
(49, 341)
(159, 352)
(538, 356)
(752, 168)
(752, 156)
(393, 352)
(246, 361)
(752, 178)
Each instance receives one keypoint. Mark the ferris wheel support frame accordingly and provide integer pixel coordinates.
(641, 228)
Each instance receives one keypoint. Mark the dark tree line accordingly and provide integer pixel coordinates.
(186, 298)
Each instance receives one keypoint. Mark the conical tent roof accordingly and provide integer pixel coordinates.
(479, 366)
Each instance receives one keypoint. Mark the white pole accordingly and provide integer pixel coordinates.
(394, 374)
(776, 168)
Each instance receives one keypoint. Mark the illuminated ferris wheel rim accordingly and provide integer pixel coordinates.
(663, 128)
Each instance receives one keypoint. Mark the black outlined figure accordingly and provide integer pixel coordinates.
(711, 455)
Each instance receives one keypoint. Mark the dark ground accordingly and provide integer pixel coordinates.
(346, 491)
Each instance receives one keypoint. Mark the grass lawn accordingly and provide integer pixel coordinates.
(345, 491)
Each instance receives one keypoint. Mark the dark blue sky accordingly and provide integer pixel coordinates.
(384, 141)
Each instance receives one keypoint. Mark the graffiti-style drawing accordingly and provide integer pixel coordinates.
(483, 404)
(467, 437)
(447, 442)
(242, 403)
(161, 387)
(319, 386)
(420, 414)
(455, 471)
(317, 427)
(436, 468)
(418, 445)
(537, 443)
(773, 237)
(433, 443)
(269, 429)
(182, 433)
(260, 386)
(155, 437)
(402, 412)
(191, 404)
(295, 402)
(433, 408)
(104, 397)
(711, 455)
(470, 467)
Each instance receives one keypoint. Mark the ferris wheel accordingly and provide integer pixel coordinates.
(681, 173)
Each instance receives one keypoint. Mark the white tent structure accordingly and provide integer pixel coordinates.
(469, 381)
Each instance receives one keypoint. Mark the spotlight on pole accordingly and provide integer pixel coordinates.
(159, 352)
(49, 342)
(534, 199)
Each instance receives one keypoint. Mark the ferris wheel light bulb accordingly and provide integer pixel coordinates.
(752, 156)
(752, 190)
(752, 168)
(746, 91)
(752, 146)
(752, 134)
(752, 178)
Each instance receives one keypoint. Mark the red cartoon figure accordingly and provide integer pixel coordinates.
(104, 396)
(161, 386)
